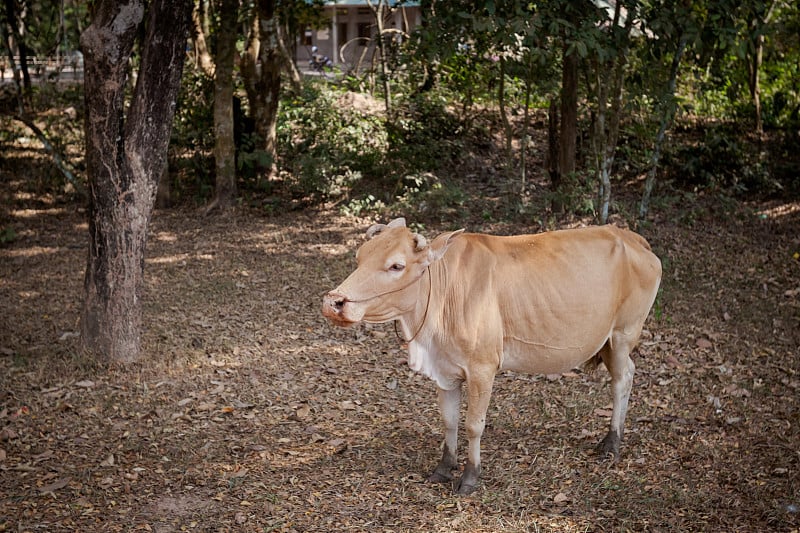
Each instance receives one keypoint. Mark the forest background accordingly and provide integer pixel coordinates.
(175, 374)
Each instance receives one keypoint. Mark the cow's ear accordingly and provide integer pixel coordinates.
(419, 242)
(440, 245)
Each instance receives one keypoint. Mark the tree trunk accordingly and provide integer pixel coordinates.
(551, 160)
(611, 82)
(754, 64)
(224, 147)
(202, 58)
(261, 70)
(289, 65)
(754, 69)
(16, 22)
(667, 117)
(377, 12)
(526, 125)
(501, 101)
(125, 156)
(569, 133)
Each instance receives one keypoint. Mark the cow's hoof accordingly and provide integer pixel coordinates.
(439, 477)
(609, 446)
(463, 489)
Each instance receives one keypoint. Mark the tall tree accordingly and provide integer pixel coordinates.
(563, 180)
(125, 156)
(609, 64)
(16, 13)
(224, 146)
(760, 18)
(261, 63)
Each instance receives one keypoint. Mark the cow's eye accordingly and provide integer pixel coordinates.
(397, 267)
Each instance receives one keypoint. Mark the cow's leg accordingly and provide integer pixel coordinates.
(616, 357)
(449, 407)
(479, 392)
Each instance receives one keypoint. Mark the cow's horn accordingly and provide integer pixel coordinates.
(375, 229)
(420, 241)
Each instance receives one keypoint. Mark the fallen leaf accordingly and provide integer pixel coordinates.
(42, 456)
(603, 412)
(7, 434)
(560, 498)
(240, 473)
(303, 411)
(703, 343)
(347, 405)
(54, 486)
(109, 461)
(85, 384)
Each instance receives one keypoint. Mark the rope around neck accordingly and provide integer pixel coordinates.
(425, 315)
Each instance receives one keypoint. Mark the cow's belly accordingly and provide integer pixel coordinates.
(533, 357)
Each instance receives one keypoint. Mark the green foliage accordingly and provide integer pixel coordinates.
(193, 135)
(424, 135)
(325, 146)
(720, 160)
(359, 206)
(331, 150)
(47, 32)
(7, 235)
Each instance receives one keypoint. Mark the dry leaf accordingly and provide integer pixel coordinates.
(560, 498)
(603, 412)
(85, 384)
(54, 486)
(303, 411)
(347, 405)
(703, 343)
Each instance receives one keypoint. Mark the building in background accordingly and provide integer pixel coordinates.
(349, 38)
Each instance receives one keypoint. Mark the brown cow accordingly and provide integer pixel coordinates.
(471, 305)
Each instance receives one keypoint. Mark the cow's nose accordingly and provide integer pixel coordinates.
(335, 301)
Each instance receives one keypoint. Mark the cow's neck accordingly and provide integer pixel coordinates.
(413, 322)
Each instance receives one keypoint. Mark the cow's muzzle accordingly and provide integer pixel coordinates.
(333, 308)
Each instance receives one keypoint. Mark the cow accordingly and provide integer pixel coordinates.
(471, 305)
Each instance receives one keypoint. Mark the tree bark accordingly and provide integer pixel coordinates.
(289, 65)
(551, 161)
(611, 83)
(16, 22)
(224, 145)
(377, 12)
(754, 62)
(261, 70)
(568, 135)
(667, 116)
(202, 57)
(125, 156)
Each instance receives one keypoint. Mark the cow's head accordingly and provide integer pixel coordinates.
(386, 283)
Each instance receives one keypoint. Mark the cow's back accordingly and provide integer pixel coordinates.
(549, 300)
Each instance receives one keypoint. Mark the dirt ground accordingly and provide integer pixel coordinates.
(251, 413)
